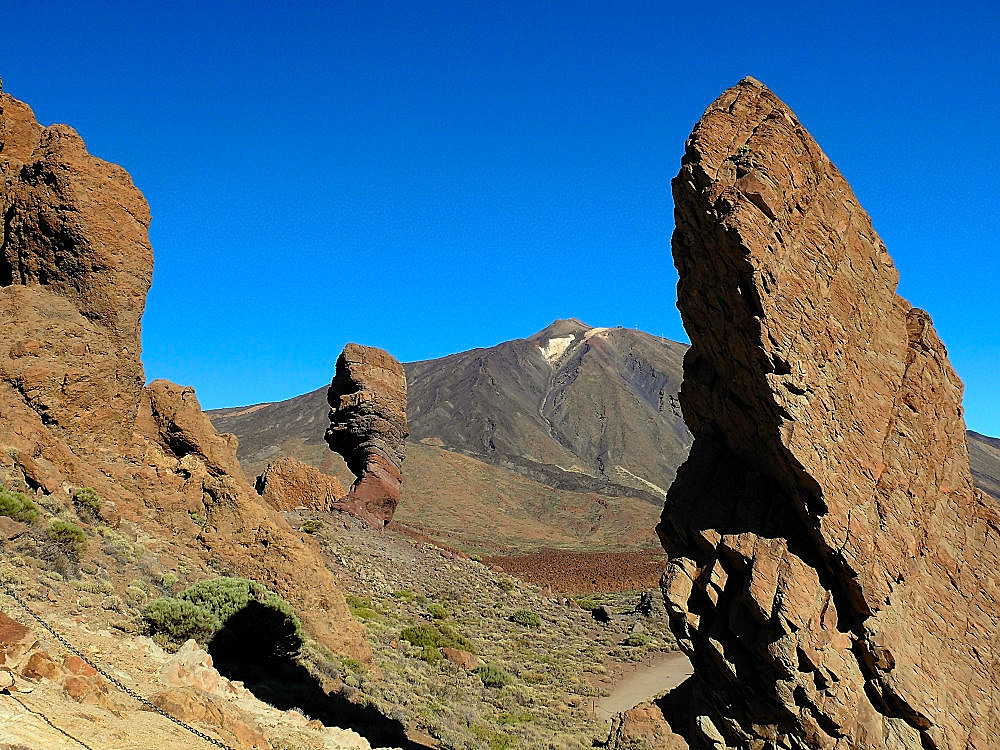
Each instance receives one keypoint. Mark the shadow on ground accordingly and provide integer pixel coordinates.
(258, 644)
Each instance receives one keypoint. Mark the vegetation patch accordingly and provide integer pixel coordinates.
(88, 499)
(201, 611)
(436, 636)
(527, 618)
(493, 676)
(68, 535)
(16, 505)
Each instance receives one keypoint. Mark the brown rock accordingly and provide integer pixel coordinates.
(189, 704)
(40, 665)
(288, 483)
(15, 639)
(75, 267)
(831, 563)
(368, 427)
(78, 666)
(463, 659)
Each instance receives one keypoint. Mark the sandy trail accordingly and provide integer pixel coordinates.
(643, 681)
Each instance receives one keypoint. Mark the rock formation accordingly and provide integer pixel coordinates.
(368, 427)
(75, 267)
(832, 571)
(288, 483)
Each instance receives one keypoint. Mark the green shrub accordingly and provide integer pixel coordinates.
(637, 639)
(492, 675)
(436, 636)
(176, 620)
(68, 535)
(431, 655)
(311, 526)
(87, 497)
(405, 594)
(527, 618)
(438, 612)
(17, 506)
(586, 602)
(201, 612)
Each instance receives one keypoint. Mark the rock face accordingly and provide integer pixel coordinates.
(288, 483)
(368, 427)
(75, 267)
(832, 572)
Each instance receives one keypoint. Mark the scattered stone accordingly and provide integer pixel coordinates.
(601, 614)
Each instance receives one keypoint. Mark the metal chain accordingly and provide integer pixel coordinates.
(114, 681)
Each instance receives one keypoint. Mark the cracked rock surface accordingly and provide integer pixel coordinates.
(832, 568)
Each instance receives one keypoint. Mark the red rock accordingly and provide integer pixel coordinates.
(191, 705)
(830, 560)
(288, 483)
(78, 666)
(463, 659)
(368, 427)
(39, 665)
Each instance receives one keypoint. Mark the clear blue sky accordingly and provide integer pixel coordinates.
(431, 177)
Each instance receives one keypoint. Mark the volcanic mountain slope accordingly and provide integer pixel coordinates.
(573, 407)
(984, 455)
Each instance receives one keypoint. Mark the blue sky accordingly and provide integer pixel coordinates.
(432, 177)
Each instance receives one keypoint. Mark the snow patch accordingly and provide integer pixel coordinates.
(553, 349)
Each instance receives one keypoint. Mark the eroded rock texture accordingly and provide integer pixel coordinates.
(287, 484)
(833, 569)
(75, 267)
(367, 427)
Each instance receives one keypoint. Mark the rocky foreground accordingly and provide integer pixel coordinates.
(832, 567)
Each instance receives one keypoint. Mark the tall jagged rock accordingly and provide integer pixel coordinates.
(368, 427)
(832, 568)
(75, 267)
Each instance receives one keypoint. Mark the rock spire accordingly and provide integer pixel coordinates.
(368, 427)
(832, 568)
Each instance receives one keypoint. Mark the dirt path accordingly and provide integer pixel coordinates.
(644, 681)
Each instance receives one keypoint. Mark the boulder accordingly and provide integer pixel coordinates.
(831, 564)
(368, 427)
(287, 484)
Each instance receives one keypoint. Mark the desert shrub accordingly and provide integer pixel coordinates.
(99, 586)
(637, 639)
(507, 585)
(311, 526)
(405, 594)
(435, 636)
(587, 603)
(68, 535)
(493, 739)
(169, 580)
(431, 655)
(527, 618)
(437, 611)
(116, 545)
(175, 620)
(17, 506)
(493, 675)
(516, 717)
(197, 518)
(87, 498)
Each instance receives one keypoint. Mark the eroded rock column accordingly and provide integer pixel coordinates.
(833, 569)
(368, 427)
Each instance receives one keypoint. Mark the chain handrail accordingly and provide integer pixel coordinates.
(113, 680)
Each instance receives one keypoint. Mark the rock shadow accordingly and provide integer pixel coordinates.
(258, 645)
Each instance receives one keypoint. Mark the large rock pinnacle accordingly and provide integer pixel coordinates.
(833, 569)
(368, 427)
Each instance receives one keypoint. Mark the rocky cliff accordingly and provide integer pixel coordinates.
(75, 267)
(832, 565)
(368, 427)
